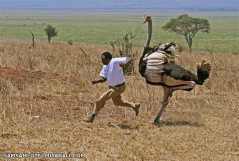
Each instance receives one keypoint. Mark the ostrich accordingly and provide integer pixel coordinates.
(157, 66)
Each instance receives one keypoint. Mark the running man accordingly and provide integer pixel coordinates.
(112, 72)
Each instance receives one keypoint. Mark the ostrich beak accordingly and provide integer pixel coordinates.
(145, 21)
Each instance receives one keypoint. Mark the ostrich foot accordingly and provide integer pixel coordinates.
(157, 122)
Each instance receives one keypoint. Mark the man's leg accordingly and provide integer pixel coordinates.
(118, 101)
(101, 102)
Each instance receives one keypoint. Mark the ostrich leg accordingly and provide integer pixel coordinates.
(167, 93)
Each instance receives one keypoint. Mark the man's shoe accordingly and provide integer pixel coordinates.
(89, 119)
(136, 109)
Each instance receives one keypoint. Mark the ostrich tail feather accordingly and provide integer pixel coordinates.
(203, 70)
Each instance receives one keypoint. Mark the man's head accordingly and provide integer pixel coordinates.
(106, 57)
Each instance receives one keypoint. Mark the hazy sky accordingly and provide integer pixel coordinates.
(219, 5)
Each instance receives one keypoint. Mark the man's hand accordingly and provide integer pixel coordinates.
(101, 80)
(122, 65)
(94, 82)
(128, 61)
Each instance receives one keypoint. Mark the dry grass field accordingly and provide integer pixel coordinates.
(46, 91)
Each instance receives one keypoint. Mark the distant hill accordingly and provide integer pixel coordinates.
(121, 5)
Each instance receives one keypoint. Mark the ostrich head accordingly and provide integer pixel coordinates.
(147, 19)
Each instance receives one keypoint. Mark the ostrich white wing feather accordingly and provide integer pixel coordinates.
(155, 56)
(154, 67)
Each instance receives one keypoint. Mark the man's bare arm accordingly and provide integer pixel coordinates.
(128, 61)
(101, 80)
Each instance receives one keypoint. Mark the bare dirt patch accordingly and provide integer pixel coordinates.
(20, 76)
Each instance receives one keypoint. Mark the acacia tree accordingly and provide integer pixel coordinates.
(188, 27)
(50, 32)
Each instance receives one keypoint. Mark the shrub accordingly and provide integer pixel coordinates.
(124, 47)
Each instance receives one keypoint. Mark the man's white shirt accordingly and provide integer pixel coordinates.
(113, 72)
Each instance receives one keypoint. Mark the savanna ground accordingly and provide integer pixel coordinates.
(46, 91)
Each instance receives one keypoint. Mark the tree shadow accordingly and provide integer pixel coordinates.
(179, 123)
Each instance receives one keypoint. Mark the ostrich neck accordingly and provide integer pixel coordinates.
(149, 33)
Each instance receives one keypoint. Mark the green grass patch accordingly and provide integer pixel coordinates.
(101, 28)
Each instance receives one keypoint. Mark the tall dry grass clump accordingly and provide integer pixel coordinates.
(45, 91)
